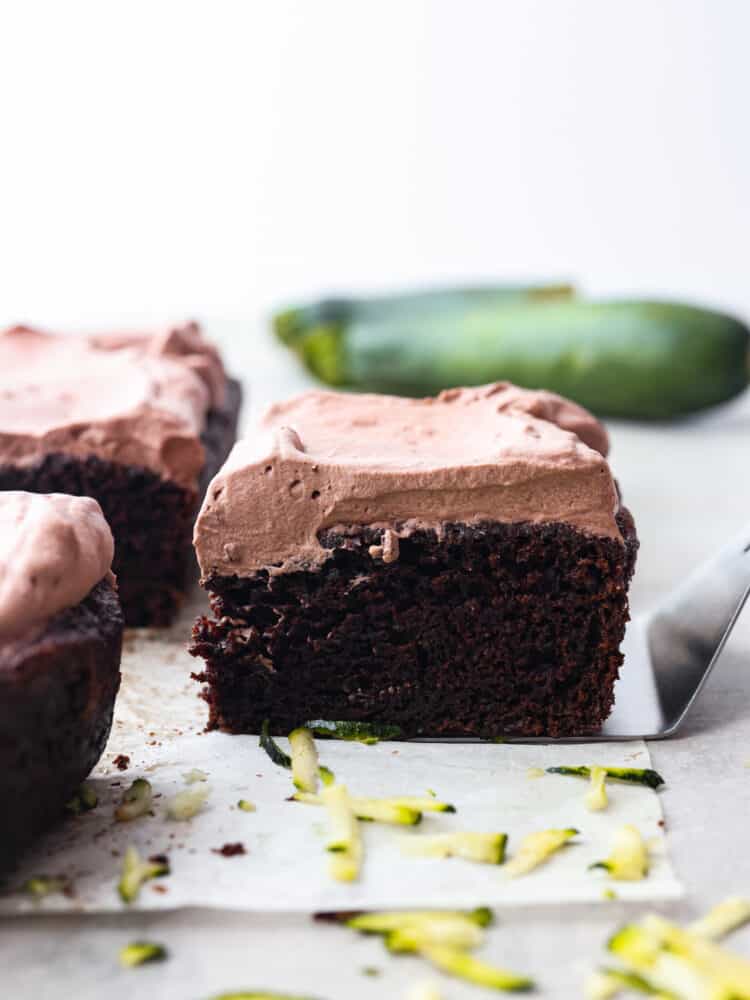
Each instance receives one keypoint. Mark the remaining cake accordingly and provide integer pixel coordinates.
(60, 640)
(139, 422)
(455, 566)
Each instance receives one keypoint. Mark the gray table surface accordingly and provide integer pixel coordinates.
(688, 486)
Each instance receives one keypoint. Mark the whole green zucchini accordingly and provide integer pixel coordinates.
(293, 324)
(635, 359)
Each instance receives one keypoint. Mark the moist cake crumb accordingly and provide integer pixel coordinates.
(230, 850)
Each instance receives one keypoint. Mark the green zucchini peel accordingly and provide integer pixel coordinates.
(359, 732)
(632, 775)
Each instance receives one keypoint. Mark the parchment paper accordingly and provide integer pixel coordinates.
(158, 725)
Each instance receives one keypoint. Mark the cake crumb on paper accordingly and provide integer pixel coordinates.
(230, 850)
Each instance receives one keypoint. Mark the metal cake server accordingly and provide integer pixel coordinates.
(670, 652)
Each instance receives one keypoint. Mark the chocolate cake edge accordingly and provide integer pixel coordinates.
(491, 631)
(57, 697)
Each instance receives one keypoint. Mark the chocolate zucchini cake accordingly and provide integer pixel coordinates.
(60, 641)
(138, 422)
(455, 566)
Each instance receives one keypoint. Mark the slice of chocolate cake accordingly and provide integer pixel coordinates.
(454, 566)
(139, 422)
(60, 641)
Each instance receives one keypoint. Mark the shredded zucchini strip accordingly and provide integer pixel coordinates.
(596, 796)
(628, 860)
(674, 962)
(722, 919)
(305, 764)
(458, 963)
(485, 848)
(631, 775)
(344, 840)
(385, 921)
(375, 810)
(137, 801)
(536, 848)
(135, 872)
(458, 932)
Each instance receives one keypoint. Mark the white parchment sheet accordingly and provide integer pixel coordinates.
(159, 722)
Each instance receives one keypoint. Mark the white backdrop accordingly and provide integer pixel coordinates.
(166, 158)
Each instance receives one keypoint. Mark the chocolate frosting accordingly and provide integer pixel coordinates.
(332, 460)
(53, 550)
(131, 398)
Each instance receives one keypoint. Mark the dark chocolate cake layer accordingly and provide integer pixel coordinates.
(150, 517)
(57, 695)
(491, 630)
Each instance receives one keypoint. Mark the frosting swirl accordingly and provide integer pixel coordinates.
(328, 459)
(135, 399)
(53, 550)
